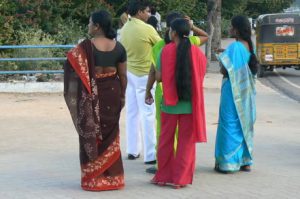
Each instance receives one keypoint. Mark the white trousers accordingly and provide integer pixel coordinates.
(140, 118)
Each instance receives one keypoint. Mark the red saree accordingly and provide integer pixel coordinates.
(177, 167)
(94, 105)
(198, 61)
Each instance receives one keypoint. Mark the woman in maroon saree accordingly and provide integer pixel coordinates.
(94, 90)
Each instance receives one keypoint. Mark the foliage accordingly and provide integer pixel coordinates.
(36, 37)
(65, 22)
(225, 25)
(253, 8)
(6, 20)
(51, 16)
(258, 7)
(70, 32)
(233, 7)
(43, 22)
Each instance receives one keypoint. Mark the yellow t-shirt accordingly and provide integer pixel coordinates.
(138, 38)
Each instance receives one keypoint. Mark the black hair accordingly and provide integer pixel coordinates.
(135, 6)
(171, 17)
(183, 59)
(153, 10)
(104, 20)
(153, 22)
(242, 25)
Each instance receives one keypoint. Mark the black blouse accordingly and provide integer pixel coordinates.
(110, 58)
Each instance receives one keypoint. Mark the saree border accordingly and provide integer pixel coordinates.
(91, 173)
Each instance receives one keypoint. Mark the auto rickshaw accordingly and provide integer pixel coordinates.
(278, 41)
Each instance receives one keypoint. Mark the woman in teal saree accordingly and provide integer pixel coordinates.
(237, 113)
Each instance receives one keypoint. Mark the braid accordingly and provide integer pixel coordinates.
(183, 69)
(183, 60)
(248, 39)
(241, 23)
(253, 63)
(167, 38)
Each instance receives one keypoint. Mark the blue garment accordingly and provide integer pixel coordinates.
(237, 114)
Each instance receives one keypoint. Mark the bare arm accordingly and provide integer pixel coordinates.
(200, 33)
(150, 82)
(121, 69)
(158, 76)
(203, 36)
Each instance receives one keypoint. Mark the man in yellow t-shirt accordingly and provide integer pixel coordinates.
(138, 38)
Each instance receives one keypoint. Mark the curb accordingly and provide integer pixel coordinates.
(32, 87)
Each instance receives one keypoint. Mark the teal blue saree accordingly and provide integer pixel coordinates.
(237, 113)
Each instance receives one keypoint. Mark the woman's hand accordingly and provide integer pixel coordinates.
(149, 98)
(189, 20)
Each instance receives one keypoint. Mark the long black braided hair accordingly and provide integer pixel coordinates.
(242, 25)
(183, 59)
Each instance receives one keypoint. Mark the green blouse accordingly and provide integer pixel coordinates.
(182, 107)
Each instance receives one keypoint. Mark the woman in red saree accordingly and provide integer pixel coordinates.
(181, 70)
(94, 90)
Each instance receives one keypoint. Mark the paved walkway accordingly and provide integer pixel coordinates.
(39, 152)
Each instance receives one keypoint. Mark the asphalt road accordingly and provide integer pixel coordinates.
(286, 82)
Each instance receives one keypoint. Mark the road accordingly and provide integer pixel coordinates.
(286, 82)
(39, 152)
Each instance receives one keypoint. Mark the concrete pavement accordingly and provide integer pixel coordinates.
(39, 156)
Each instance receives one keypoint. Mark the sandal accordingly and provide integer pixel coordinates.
(217, 169)
(245, 168)
(177, 186)
(158, 183)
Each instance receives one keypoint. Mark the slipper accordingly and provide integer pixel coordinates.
(245, 168)
(158, 183)
(177, 186)
(217, 169)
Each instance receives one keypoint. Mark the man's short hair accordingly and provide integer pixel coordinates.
(137, 5)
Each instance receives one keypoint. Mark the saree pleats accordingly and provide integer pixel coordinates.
(106, 172)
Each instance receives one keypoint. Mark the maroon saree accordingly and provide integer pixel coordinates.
(94, 105)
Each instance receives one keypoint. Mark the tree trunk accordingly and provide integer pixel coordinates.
(211, 11)
(213, 28)
(216, 39)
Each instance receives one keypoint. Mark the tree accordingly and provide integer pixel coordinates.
(233, 7)
(7, 20)
(257, 7)
(253, 8)
(196, 9)
(217, 20)
(213, 28)
(67, 18)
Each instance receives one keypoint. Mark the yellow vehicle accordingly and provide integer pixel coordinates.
(278, 41)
